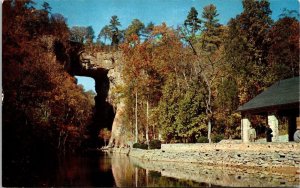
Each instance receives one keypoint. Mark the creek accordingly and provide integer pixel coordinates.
(101, 169)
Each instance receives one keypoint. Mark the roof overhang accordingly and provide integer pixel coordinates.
(291, 107)
(283, 96)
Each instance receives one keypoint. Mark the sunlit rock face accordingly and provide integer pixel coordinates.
(106, 69)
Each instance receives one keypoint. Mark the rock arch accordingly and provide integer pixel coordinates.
(105, 69)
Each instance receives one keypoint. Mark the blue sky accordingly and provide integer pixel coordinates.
(97, 13)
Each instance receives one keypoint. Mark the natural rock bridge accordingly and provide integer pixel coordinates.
(105, 69)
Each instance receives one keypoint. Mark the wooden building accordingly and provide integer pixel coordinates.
(280, 99)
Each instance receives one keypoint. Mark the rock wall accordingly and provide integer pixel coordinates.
(236, 164)
(279, 155)
(219, 175)
(236, 146)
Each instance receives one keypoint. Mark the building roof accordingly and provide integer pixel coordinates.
(282, 93)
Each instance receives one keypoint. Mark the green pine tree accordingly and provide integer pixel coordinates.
(192, 22)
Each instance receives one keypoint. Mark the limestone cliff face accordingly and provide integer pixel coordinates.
(106, 69)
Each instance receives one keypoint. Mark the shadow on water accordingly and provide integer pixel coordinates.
(90, 169)
(99, 169)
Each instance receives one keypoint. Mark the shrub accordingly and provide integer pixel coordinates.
(154, 174)
(155, 144)
(140, 146)
(202, 139)
(143, 146)
(217, 138)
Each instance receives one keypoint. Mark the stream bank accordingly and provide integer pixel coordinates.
(282, 158)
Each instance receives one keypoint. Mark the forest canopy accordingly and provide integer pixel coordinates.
(180, 84)
(187, 82)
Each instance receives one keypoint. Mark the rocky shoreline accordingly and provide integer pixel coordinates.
(219, 175)
(241, 165)
(281, 157)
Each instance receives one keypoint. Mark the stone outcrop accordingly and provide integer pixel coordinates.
(117, 126)
(106, 69)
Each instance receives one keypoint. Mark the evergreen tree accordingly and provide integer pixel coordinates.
(208, 59)
(112, 31)
(148, 29)
(135, 28)
(211, 39)
(105, 33)
(115, 33)
(192, 22)
(46, 7)
(90, 34)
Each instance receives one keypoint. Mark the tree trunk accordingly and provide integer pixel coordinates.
(59, 138)
(147, 123)
(147, 177)
(186, 81)
(209, 131)
(64, 143)
(176, 77)
(208, 106)
(136, 121)
(136, 176)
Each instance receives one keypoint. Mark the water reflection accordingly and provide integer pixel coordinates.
(132, 172)
(92, 169)
(113, 170)
(128, 173)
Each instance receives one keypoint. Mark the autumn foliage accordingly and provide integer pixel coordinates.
(42, 103)
(179, 82)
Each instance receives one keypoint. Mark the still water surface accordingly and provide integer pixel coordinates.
(99, 169)
(107, 170)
